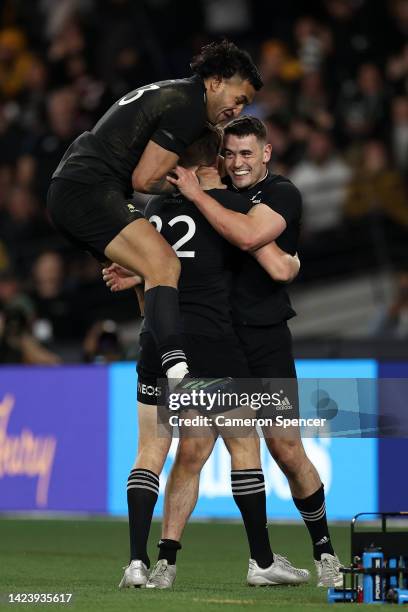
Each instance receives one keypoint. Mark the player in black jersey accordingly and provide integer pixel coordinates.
(132, 147)
(261, 307)
(213, 350)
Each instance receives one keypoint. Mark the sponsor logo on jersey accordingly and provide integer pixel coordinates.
(255, 199)
(148, 389)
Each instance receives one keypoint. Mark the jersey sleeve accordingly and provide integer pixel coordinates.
(180, 124)
(284, 198)
(230, 200)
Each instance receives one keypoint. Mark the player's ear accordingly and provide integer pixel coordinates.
(267, 153)
(215, 83)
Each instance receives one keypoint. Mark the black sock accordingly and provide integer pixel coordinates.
(142, 493)
(162, 315)
(313, 511)
(248, 489)
(168, 550)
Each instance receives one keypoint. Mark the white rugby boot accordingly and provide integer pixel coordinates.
(280, 572)
(136, 575)
(328, 571)
(162, 576)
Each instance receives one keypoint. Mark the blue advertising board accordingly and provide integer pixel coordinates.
(68, 439)
(393, 451)
(53, 438)
(348, 467)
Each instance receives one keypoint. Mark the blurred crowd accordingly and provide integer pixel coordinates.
(335, 103)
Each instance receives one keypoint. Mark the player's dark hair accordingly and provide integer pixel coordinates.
(224, 59)
(246, 126)
(204, 151)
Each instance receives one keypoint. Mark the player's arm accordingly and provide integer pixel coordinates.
(178, 127)
(280, 266)
(149, 176)
(248, 232)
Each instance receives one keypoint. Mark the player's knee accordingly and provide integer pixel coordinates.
(152, 454)
(288, 454)
(244, 453)
(192, 455)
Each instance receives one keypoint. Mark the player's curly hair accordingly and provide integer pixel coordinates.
(224, 59)
(246, 125)
(204, 150)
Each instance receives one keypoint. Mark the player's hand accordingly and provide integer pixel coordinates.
(210, 178)
(118, 278)
(186, 182)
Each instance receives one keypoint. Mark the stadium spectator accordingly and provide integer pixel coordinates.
(17, 343)
(399, 133)
(398, 10)
(397, 70)
(322, 179)
(15, 62)
(102, 343)
(31, 102)
(11, 138)
(284, 151)
(392, 320)
(312, 100)
(313, 43)
(363, 107)
(276, 63)
(376, 207)
(54, 303)
(23, 226)
(43, 152)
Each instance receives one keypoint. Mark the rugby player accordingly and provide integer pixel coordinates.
(132, 147)
(261, 308)
(213, 350)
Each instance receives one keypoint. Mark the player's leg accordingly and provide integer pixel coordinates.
(153, 446)
(248, 489)
(100, 220)
(271, 357)
(142, 493)
(309, 498)
(139, 247)
(180, 499)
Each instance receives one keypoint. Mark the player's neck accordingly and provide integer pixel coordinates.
(265, 176)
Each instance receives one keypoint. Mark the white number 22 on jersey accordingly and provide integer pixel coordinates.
(191, 230)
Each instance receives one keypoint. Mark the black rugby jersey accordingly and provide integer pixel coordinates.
(255, 297)
(171, 113)
(206, 259)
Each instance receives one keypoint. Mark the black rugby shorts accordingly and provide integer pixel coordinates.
(207, 357)
(269, 353)
(89, 216)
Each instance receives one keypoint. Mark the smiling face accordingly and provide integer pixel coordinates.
(246, 159)
(227, 97)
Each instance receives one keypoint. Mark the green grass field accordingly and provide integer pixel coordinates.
(85, 558)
